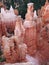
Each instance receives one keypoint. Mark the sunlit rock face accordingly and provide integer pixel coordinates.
(2, 27)
(29, 15)
(45, 12)
(43, 36)
(19, 35)
(30, 30)
(13, 51)
(10, 51)
(43, 7)
(43, 45)
(8, 18)
(30, 41)
(19, 29)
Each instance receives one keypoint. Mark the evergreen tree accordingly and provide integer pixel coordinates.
(23, 5)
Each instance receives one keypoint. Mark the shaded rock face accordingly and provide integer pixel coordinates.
(1, 63)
